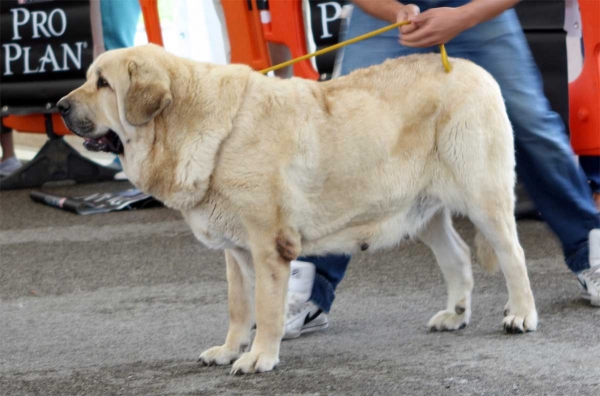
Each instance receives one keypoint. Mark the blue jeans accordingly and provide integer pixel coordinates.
(545, 159)
(591, 167)
(119, 22)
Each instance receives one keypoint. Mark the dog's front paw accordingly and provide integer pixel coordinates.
(219, 355)
(253, 362)
(448, 320)
(519, 321)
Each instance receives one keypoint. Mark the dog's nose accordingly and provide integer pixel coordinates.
(64, 106)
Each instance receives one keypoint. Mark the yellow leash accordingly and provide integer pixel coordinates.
(443, 52)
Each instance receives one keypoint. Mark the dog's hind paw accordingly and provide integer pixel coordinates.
(253, 362)
(449, 320)
(219, 356)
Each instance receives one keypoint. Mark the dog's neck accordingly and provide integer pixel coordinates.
(188, 156)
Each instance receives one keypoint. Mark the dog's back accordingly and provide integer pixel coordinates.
(394, 143)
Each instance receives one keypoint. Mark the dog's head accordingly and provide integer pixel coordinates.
(125, 89)
(166, 116)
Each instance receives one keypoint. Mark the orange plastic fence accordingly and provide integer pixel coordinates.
(245, 34)
(584, 93)
(282, 23)
(152, 21)
(35, 123)
(287, 28)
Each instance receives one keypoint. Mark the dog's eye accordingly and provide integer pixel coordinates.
(102, 83)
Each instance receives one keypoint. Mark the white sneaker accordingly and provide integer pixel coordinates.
(589, 281)
(9, 166)
(302, 277)
(303, 316)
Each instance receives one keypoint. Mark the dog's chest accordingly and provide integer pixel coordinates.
(215, 228)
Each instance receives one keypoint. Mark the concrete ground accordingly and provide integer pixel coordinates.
(123, 303)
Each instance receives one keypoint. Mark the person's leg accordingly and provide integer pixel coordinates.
(6, 141)
(591, 167)
(10, 163)
(545, 159)
(330, 270)
(311, 291)
(119, 22)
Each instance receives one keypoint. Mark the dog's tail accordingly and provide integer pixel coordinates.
(486, 256)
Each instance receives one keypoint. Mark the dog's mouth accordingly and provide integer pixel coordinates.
(109, 143)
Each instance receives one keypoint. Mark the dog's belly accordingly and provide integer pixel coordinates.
(373, 231)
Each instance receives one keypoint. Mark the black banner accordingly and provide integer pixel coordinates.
(325, 23)
(43, 41)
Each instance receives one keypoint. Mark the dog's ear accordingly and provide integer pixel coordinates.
(148, 94)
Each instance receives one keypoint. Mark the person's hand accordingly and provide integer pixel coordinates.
(434, 27)
(408, 11)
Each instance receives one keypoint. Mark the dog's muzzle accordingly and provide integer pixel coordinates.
(109, 142)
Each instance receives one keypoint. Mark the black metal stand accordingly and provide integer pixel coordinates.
(56, 161)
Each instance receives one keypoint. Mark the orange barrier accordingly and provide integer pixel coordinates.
(584, 93)
(245, 34)
(36, 123)
(282, 23)
(287, 28)
(152, 21)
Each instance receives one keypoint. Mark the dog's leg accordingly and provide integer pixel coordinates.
(272, 272)
(241, 318)
(454, 258)
(496, 222)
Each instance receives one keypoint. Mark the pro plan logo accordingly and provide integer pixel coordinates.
(24, 55)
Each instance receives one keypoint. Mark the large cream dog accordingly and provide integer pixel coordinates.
(270, 169)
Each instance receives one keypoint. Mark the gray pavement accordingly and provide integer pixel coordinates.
(123, 303)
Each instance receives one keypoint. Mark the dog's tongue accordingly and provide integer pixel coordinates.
(102, 144)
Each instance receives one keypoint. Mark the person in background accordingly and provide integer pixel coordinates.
(591, 167)
(488, 33)
(10, 163)
(119, 24)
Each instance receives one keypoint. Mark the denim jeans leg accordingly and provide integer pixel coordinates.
(591, 167)
(331, 269)
(545, 159)
(330, 272)
(376, 50)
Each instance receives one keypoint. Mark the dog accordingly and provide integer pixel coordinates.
(269, 169)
